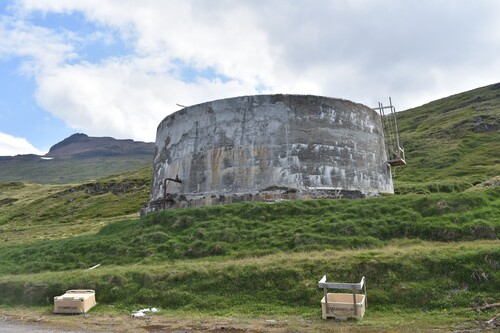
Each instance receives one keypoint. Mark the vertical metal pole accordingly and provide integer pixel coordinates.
(393, 110)
(386, 130)
(165, 193)
(391, 130)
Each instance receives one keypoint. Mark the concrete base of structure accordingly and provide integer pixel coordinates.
(174, 201)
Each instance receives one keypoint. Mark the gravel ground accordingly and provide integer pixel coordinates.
(15, 327)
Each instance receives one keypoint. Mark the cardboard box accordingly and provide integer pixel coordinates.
(340, 306)
(75, 301)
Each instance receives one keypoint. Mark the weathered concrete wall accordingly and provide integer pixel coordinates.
(265, 146)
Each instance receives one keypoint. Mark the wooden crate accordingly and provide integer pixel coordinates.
(343, 305)
(75, 301)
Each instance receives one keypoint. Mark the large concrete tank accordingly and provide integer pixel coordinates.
(268, 147)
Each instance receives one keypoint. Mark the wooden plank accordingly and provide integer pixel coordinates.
(334, 285)
(354, 301)
(325, 291)
(331, 285)
(366, 295)
(397, 162)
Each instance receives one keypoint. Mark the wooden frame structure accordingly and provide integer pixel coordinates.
(353, 287)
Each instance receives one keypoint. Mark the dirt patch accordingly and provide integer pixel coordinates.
(172, 323)
(164, 323)
(169, 329)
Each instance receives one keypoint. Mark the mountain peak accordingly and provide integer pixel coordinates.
(82, 146)
(75, 138)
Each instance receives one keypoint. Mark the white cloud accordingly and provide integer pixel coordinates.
(414, 51)
(125, 99)
(40, 47)
(12, 145)
(127, 96)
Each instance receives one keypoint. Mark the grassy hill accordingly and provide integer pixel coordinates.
(31, 212)
(256, 229)
(69, 171)
(431, 253)
(452, 143)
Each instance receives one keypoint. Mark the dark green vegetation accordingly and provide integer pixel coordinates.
(414, 275)
(268, 255)
(433, 247)
(256, 229)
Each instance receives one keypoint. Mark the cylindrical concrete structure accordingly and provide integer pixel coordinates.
(268, 147)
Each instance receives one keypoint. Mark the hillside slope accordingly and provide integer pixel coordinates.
(454, 141)
(250, 229)
(428, 258)
(31, 212)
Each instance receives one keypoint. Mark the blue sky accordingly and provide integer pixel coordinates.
(117, 67)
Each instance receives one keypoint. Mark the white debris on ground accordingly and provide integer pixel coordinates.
(93, 267)
(142, 312)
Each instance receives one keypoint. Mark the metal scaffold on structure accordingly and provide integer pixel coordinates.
(394, 148)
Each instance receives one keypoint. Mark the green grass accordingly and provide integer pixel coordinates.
(255, 229)
(28, 204)
(427, 252)
(452, 140)
(34, 212)
(69, 171)
(406, 274)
